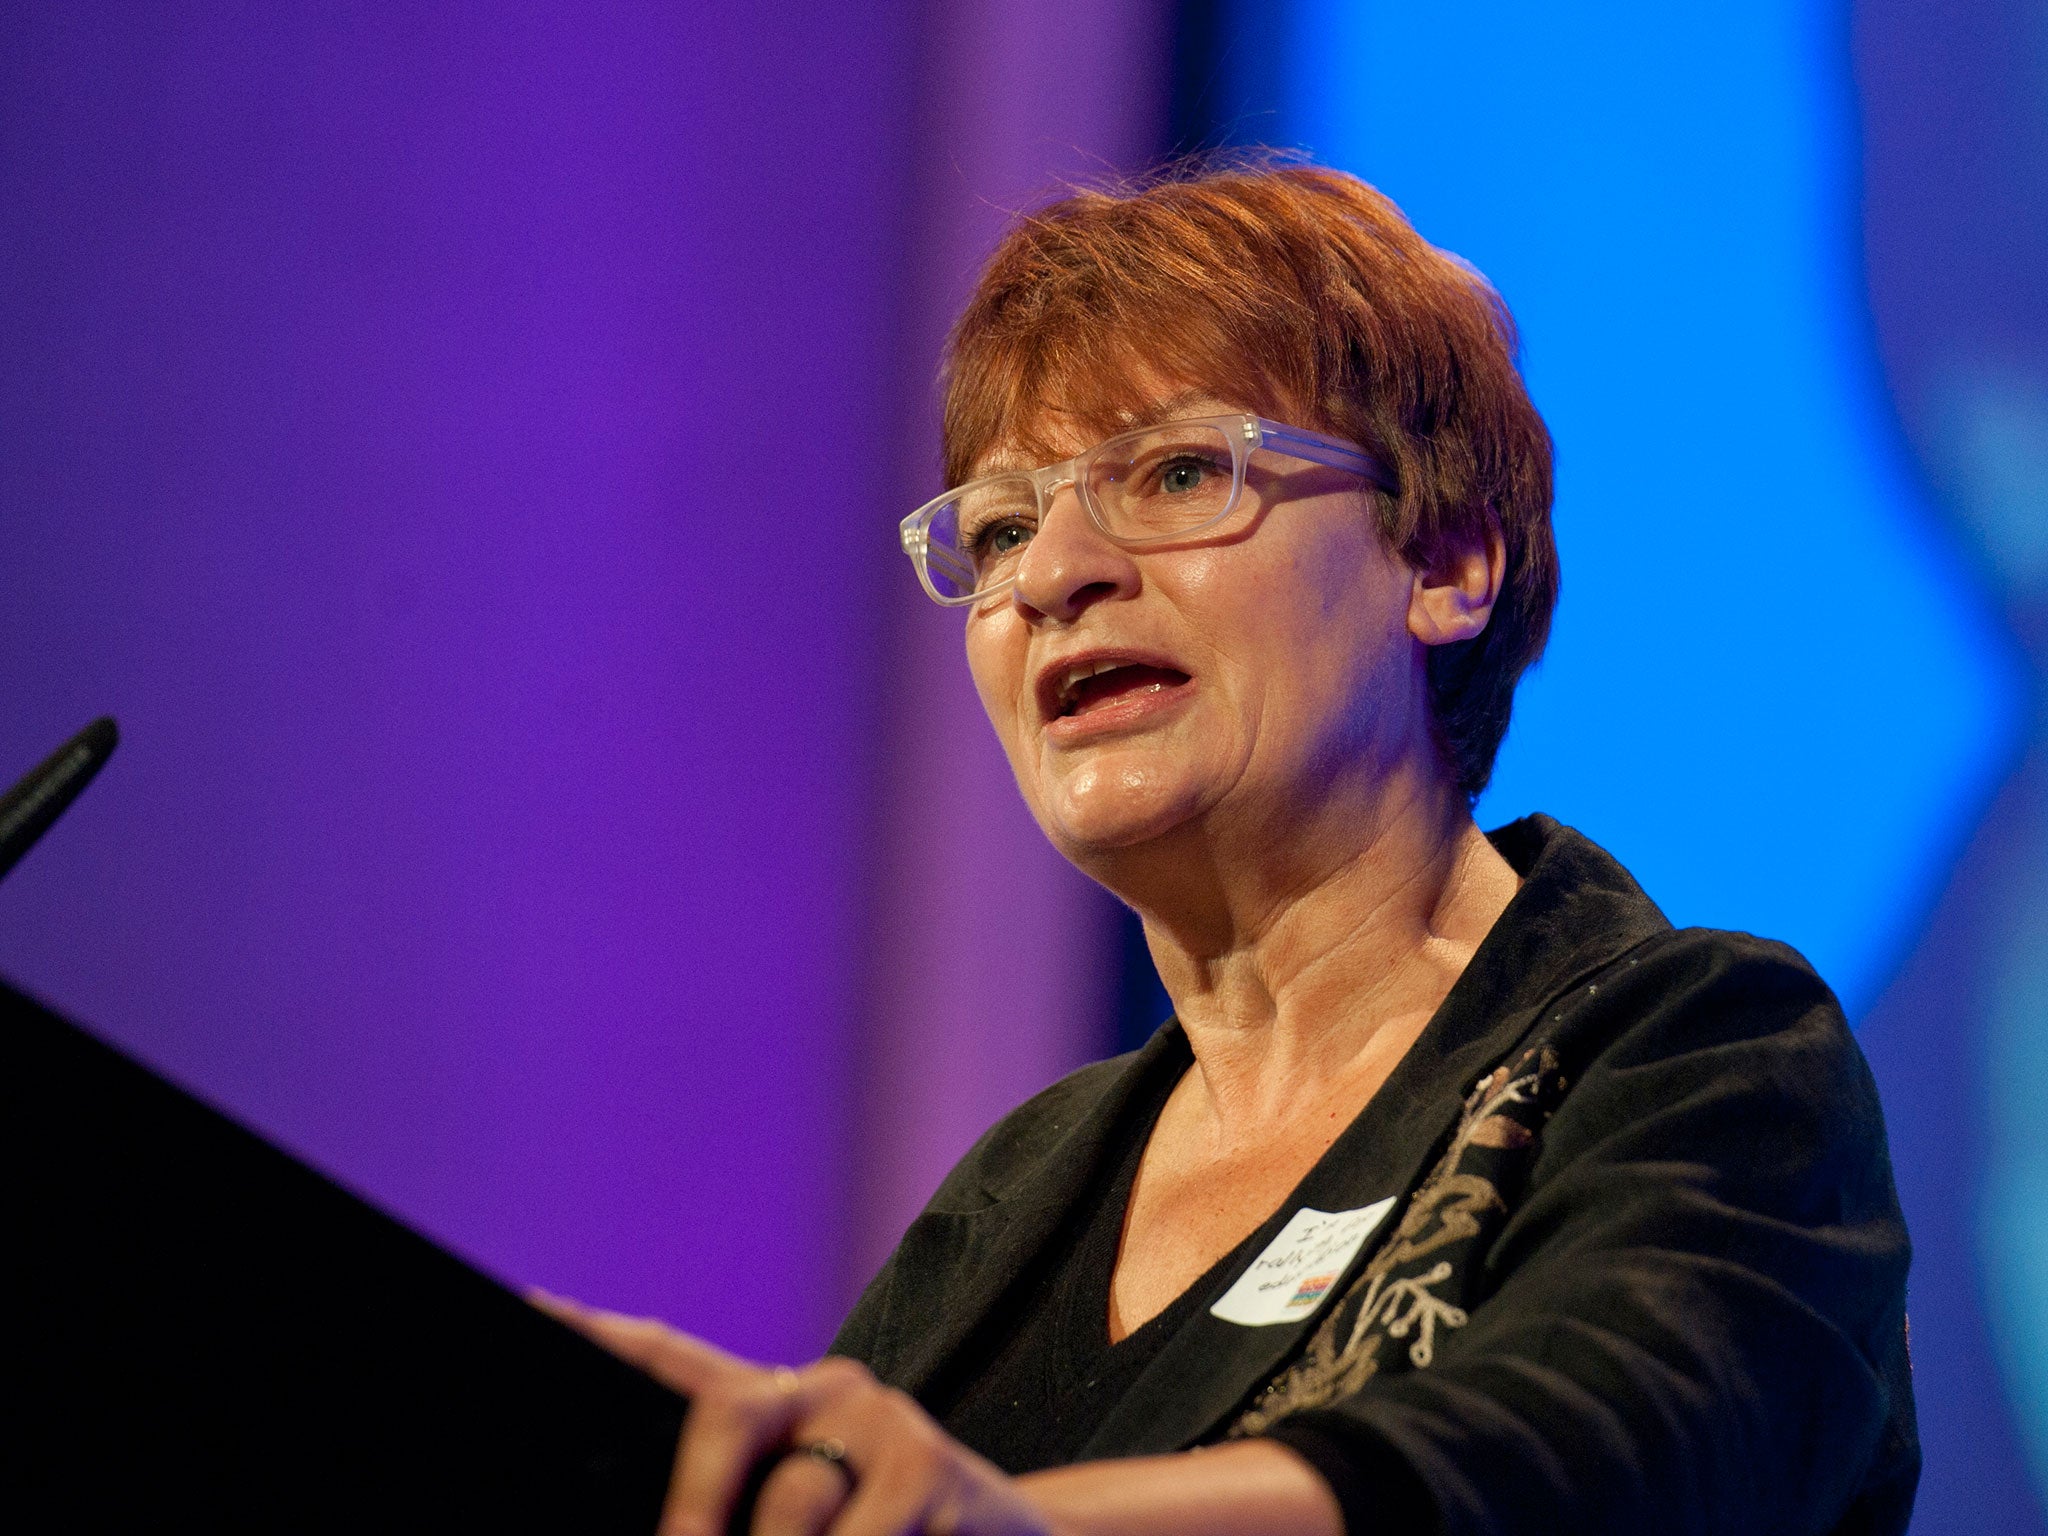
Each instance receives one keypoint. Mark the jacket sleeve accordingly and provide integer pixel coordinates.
(1694, 1316)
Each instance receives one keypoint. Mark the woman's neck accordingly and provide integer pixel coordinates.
(1302, 969)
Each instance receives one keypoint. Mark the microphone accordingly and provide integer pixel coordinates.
(27, 810)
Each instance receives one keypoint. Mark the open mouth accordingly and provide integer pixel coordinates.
(1096, 685)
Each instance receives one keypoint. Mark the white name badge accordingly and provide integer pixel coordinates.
(1300, 1267)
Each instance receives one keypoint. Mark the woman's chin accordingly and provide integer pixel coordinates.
(1106, 806)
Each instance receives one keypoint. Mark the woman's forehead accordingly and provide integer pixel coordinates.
(1053, 433)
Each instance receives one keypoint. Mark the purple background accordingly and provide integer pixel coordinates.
(447, 439)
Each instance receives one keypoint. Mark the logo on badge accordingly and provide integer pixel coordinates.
(1310, 1291)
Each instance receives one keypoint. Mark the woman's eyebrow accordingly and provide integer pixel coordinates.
(1007, 462)
(1169, 408)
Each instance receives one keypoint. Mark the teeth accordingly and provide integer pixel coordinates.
(1074, 676)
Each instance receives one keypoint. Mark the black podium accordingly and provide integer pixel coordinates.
(207, 1335)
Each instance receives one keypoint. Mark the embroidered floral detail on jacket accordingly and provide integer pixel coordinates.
(1424, 1281)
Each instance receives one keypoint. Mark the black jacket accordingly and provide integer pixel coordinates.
(1646, 1273)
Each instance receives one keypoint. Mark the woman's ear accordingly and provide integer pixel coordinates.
(1453, 597)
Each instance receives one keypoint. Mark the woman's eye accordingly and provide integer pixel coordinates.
(1000, 540)
(1177, 477)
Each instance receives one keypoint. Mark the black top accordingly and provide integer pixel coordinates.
(1040, 1375)
(1645, 1269)
(1033, 1385)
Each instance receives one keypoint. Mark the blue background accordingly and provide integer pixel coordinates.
(1780, 271)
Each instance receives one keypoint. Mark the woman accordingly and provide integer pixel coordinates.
(1462, 1193)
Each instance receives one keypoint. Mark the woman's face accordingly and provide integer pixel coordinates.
(1234, 679)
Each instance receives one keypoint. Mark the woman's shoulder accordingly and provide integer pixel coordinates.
(1000, 1203)
(1725, 1041)
(1583, 944)
(1693, 989)
(1063, 1123)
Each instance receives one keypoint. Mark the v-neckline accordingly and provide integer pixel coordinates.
(1174, 1313)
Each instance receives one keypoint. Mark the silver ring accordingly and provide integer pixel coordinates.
(830, 1452)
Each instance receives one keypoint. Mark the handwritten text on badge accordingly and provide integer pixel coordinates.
(1299, 1267)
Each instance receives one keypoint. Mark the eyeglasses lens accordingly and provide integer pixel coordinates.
(1143, 486)
(1163, 481)
(974, 539)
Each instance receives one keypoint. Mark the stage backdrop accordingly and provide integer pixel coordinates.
(444, 435)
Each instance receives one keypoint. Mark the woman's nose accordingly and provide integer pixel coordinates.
(1070, 563)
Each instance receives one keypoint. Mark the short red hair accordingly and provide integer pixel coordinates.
(1302, 294)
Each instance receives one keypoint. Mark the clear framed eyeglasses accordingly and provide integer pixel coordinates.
(1141, 487)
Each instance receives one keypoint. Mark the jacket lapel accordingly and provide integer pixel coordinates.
(959, 1259)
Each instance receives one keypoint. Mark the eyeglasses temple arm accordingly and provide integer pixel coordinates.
(1318, 449)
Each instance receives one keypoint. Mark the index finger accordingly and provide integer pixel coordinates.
(674, 1359)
